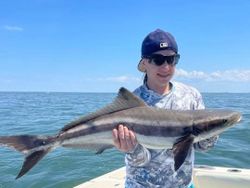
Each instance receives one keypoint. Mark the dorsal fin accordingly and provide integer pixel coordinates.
(123, 101)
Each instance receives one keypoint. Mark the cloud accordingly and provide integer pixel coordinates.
(13, 28)
(227, 75)
(180, 74)
(123, 79)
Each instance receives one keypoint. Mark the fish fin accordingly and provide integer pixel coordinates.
(96, 147)
(31, 160)
(24, 143)
(103, 148)
(181, 150)
(124, 100)
(34, 147)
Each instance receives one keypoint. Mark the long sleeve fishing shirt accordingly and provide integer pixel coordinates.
(146, 168)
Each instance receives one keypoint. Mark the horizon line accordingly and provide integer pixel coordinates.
(110, 92)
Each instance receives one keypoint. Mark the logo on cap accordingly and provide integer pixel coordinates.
(163, 45)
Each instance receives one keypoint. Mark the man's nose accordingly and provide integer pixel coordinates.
(165, 65)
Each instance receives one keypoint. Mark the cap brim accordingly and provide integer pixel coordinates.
(165, 52)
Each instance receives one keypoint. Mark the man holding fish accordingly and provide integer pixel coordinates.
(161, 153)
(155, 167)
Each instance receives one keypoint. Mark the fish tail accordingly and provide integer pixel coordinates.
(34, 148)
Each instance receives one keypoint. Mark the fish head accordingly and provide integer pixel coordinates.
(208, 123)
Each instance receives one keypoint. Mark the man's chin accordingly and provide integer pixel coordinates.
(164, 79)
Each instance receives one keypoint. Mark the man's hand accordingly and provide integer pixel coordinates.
(124, 139)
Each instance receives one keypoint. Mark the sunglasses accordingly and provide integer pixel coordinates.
(159, 60)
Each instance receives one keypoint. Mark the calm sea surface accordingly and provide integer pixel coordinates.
(46, 113)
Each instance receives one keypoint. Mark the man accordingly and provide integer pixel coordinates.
(155, 168)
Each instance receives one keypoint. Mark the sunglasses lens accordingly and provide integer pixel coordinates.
(170, 60)
(176, 58)
(160, 60)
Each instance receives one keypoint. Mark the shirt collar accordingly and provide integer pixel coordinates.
(151, 96)
(146, 89)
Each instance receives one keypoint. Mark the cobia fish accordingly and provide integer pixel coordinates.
(155, 128)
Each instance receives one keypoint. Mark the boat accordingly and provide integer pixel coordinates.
(203, 177)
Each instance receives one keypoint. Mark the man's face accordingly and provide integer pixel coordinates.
(159, 71)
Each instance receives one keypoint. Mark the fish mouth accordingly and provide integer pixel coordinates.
(239, 119)
(235, 118)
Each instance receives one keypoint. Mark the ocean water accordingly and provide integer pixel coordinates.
(46, 113)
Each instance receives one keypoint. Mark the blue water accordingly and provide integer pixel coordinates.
(46, 113)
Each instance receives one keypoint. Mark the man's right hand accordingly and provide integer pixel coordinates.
(124, 139)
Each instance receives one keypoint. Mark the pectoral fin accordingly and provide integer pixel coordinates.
(181, 150)
(102, 148)
(99, 148)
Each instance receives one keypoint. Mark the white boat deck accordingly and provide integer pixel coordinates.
(204, 177)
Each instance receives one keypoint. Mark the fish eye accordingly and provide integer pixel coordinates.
(224, 120)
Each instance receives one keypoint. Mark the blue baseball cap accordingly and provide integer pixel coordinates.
(158, 42)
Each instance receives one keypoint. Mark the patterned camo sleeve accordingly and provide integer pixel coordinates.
(140, 156)
(205, 145)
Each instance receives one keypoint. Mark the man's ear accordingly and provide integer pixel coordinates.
(142, 66)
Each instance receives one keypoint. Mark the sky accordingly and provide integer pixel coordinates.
(94, 45)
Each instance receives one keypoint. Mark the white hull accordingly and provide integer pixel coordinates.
(204, 177)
